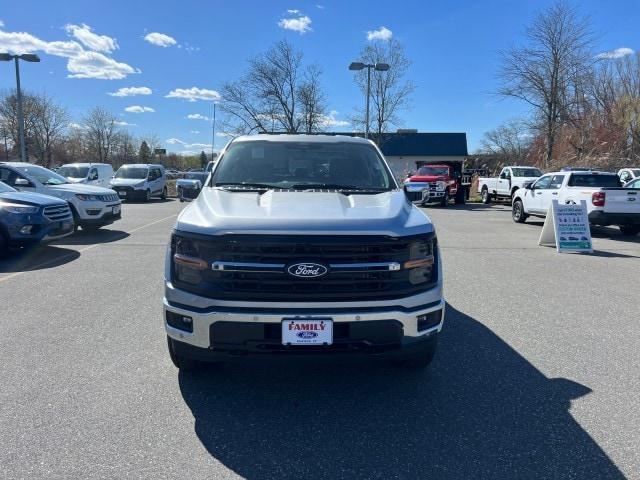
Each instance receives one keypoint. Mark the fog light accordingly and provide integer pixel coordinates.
(26, 230)
(429, 320)
(179, 321)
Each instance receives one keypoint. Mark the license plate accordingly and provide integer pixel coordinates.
(115, 210)
(122, 194)
(305, 331)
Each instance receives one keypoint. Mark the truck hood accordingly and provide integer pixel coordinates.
(126, 182)
(219, 212)
(30, 198)
(80, 188)
(427, 178)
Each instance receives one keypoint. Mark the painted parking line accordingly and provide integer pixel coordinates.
(75, 252)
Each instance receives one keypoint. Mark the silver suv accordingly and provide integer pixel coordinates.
(302, 244)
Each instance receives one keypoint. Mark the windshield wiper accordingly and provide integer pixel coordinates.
(260, 186)
(334, 186)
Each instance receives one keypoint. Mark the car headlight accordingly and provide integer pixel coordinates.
(422, 260)
(17, 208)
(440, 185)
(85, 198)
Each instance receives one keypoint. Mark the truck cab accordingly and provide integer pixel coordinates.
(511, 179)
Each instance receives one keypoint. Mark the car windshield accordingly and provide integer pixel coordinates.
(303, 165)
(4, 188)
(596, 181)
(71, 171)
(526, 172)
(433, 171)
(43, 175)
(135, 173)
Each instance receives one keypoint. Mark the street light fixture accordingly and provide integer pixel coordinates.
(27, 57)
(380, 67)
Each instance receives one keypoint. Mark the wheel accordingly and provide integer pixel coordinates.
(461, 196)
(517, 212)
(181, 362)
(164, 193)
(486, 198)
(147, 197)
(445, 200)
(181, 200)
(629, 230)
(420, 357)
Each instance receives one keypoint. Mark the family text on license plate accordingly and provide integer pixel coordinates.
(305, 331)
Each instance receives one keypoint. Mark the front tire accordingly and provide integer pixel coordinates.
(486, 198)
(445, 200)
(164, 193)
(419, 357)
(517, 212)
(181, 362)
(147, 196)
(629, 230)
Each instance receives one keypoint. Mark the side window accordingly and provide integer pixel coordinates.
(93, 174)
(556, 182)
(152, 174)
(8, 176)
(507, 173)
(543, 183)
(625, 177)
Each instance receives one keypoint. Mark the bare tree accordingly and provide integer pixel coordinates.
(9, 118)
(101, 133)
(275, 94)
(510, 142)
(49, 123)
(543, 72)
(390, 92)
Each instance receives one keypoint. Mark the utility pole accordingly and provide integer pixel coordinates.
(213, 130)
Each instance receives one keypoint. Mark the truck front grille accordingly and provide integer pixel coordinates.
(276, 252)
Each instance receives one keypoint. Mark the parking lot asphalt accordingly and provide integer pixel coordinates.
(537, 373)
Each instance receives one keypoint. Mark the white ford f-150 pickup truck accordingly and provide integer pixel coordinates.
(509, 181)
(607, 202)
(302, 244)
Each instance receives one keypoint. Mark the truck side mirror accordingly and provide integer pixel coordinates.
(527, 185)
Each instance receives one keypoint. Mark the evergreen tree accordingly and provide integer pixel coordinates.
(145, 153)
(203, 159)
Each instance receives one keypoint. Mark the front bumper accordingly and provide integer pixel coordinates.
(42, 229)
(598, 217)
(94, 213)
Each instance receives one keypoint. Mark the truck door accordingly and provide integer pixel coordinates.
(538, 191)
(503, 186)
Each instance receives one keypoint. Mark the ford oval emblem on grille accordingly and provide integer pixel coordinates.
(306, 335)
(307, 270)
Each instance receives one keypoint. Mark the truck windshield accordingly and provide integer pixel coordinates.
(434, 171)
(73, 172)
(526, 172)
(595, 181)
(135, 173)
(303, 165)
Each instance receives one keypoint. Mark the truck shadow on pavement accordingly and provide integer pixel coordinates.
(482, 411)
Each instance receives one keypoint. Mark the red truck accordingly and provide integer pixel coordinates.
(436, 183)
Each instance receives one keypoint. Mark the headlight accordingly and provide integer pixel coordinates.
(17, 208)
(85, 198)
(187, 264)
(440, 185)
(422, 260)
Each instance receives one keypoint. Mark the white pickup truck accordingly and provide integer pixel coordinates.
(607, 202)
(509, 180)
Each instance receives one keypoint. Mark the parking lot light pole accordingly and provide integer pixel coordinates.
(381, 67)
(27, 57)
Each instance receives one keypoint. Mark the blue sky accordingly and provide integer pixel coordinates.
(102, 48)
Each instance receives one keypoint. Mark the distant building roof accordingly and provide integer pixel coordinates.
(412, 144)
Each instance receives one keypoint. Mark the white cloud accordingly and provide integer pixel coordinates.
(195, 132)
(81, 64)
(198, 145)
(76, 126)
(617, 53)
(293, 12)
(300, 24)
(122, 123)
(160, 39)
(197, 116)
(131, 91)
(192, 94)
(1, 24)
(138, 109)
(321, 7)
(93, 41)
(175, 141)
(331, 120)
(383, 33)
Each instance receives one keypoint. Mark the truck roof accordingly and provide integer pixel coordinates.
(142, 165)
(301, 138)
(85, 164)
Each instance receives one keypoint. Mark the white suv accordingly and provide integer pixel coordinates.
(140, 181)
(92, 207)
